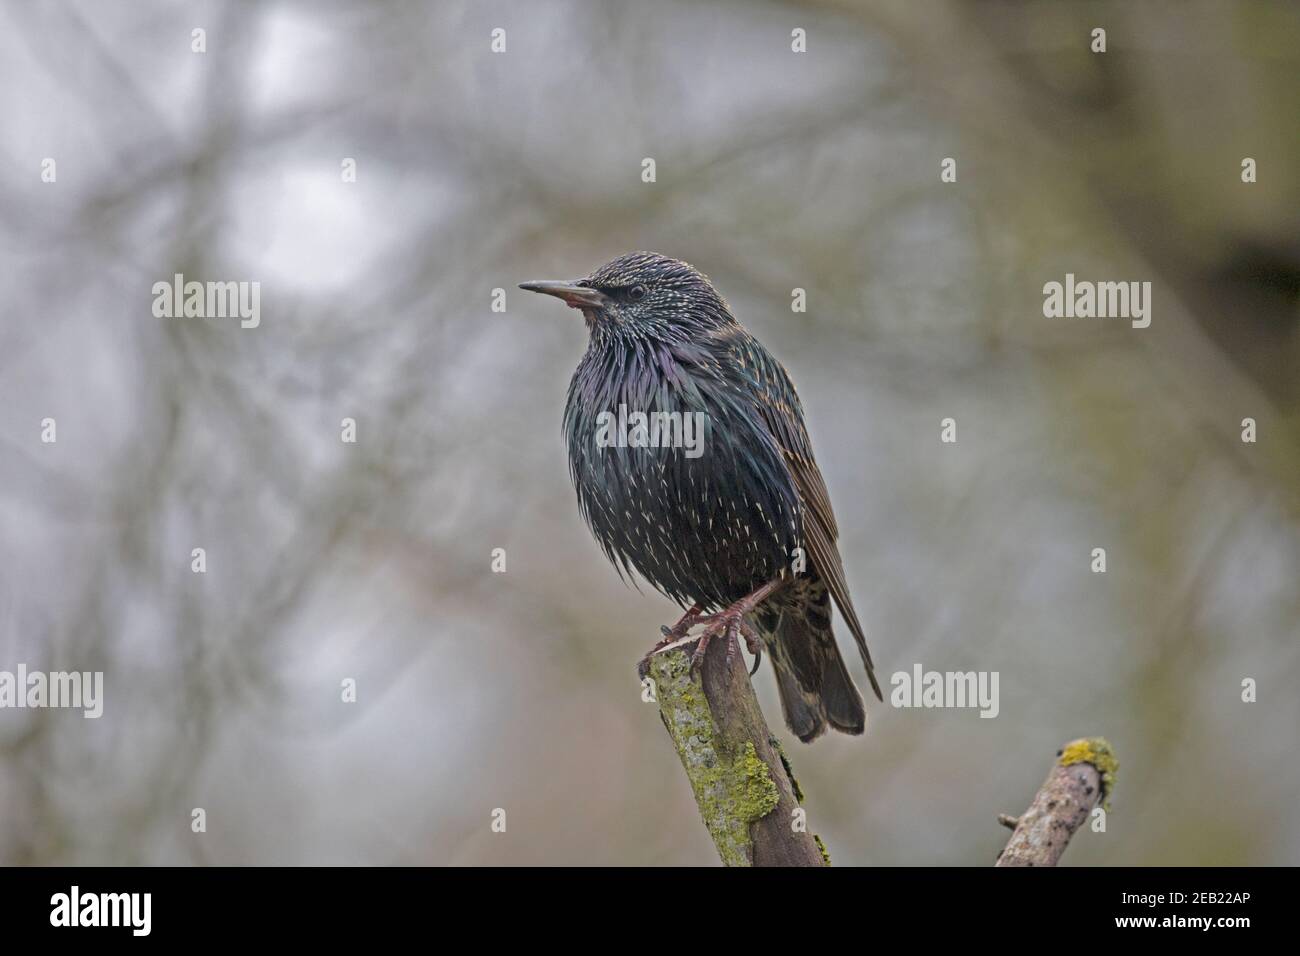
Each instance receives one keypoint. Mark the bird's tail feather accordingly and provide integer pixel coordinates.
(814, 685)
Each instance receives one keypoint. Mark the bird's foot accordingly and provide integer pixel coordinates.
(681, 628)
(731, 625)
(678, 630)
(672, 635)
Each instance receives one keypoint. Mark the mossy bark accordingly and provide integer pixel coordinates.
(1082, 777)
(735, 766)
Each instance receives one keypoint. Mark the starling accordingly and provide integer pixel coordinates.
(738, 530)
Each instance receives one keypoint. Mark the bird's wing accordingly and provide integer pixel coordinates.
(783, 414)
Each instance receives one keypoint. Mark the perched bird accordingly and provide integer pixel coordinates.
(739, 530)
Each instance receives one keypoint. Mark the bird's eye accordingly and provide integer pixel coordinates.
(636, 292)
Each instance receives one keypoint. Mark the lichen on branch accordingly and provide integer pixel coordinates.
(732, 789)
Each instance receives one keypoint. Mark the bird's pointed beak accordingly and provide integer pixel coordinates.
(575, 296)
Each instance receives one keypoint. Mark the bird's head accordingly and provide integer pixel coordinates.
(643, 295)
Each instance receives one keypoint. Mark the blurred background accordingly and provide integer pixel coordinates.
(775, 170)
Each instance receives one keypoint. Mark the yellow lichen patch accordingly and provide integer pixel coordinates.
(757, 792)
(1098, 752)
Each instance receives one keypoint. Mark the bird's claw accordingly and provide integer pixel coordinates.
(670, 634)
(731, 624)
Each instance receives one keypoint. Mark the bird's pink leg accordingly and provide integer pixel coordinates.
(680, 629)
(674, 633)
(731, 624)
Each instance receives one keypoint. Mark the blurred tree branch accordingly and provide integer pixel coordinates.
(1081, 779)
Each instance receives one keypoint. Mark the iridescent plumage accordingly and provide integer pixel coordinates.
(710, 530)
